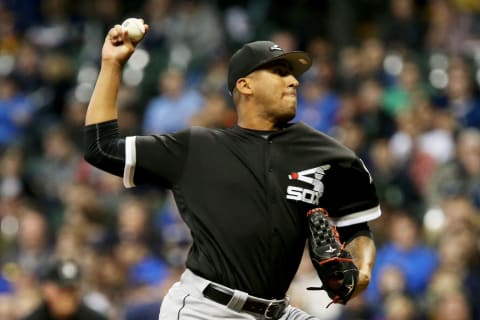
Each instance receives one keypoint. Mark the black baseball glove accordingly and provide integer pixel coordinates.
(334, 265)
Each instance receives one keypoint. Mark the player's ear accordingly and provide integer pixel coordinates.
(244, 85)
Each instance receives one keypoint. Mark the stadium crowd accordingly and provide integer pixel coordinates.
(397, 81)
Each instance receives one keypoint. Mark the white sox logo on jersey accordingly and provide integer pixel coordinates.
(313, 177)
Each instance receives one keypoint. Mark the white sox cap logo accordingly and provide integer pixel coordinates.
(310, 196)
(275, 47)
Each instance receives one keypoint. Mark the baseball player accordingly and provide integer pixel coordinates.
(247, 193)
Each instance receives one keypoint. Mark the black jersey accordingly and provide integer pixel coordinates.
(244, 196)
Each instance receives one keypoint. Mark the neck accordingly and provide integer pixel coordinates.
(250, 117)
(257, 124)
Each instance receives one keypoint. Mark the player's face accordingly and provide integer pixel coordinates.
(276, 91)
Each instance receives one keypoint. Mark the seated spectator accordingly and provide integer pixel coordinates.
(62, 296)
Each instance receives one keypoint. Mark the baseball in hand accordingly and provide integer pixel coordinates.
(135, 28)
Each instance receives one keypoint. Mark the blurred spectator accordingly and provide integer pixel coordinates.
(407, 92)
(363, 63)
(16, 112)
(188, 45)
(402, 27)
(461, 99)
(57, 72)
(318, 103)
(106, 282)
(9, 38)
(81, 209)
(128, 101)
(216, 113)
(351, 135)
(175, 235)
(13, 183)
(27, 72)
(451, 305)
(459, 255)
(137, 250)
(373, 55)
(7, 306)
(370, 115)
(158, 15)
(32, 248)
(96, 17)
(460, 176)
(57, 29)
(407, 252)
(173, 109)
(460, 211)
(401, 307)
(62, 295)
(395, 187)
(419, 161)
(215, 78)
(349, 68)
(54, 170)
(436, 138)
(74, 112)
(449, 29)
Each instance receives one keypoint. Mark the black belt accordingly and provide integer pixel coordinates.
(270, 309)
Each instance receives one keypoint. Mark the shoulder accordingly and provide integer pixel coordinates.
(199, 132)
(301, 128)
(303, 134)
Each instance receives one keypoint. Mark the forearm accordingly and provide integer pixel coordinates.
(363, 251)
(103, 103)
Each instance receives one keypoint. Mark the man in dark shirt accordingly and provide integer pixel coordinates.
(61, 295)
(244, 192)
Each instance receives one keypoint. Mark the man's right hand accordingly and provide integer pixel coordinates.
(118, 47)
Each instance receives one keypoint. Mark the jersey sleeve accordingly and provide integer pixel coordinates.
(350, 195)
(155, 159)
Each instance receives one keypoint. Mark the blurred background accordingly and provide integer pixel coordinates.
(397, 81)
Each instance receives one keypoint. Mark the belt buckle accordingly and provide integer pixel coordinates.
(267, 311)
(272, 310)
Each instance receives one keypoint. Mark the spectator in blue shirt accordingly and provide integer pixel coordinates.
(405, 252)
(174, 108)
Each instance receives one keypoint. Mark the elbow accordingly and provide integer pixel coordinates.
(364, 278)
(90, 152)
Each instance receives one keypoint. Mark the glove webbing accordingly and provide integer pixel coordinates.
(325, 233)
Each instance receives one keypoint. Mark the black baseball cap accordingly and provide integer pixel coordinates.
(255, 54)
(65, 273)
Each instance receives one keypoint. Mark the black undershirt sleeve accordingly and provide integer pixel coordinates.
(349, 232)
(104, 148)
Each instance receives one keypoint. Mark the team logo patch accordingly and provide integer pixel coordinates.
(313, 177)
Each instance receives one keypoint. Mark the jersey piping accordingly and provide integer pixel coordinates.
(357, 217)
(130, 162)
